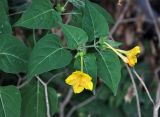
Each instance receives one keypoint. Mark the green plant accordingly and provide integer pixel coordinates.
(86, 47)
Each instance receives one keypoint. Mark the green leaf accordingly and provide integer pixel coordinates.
(39, 15)
(75, 36)
(76, 19)
(10, 102)
(109, 69)
(78, 3)
(5, 4)
(33, 101)
(13, 55)
(5, 27)
(94, 23)
(90, 66)
(113, 43)
(104, 12)
(48, 54)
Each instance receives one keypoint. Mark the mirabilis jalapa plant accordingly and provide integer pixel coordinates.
(86, 38)
(80, 80)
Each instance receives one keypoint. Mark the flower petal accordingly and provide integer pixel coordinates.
(88, 85)
(87, 77)
(78, 89)
(79, 81)
(71, 80)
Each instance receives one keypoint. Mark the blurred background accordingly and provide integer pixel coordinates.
(135, 22)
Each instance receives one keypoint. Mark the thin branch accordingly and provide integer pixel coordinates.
(71, 13)
(130, 20)
(66, 4)
(154, 20)
(46, 95)
(157, 105)
(54, 76)
(19, 79)
(23, 84)
(135, 89)
(16, 13)
(139, 78)
(69, 114)
(74, 108)
(65, 102)
(119, 20)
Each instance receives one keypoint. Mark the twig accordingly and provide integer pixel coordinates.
(139, 78)
(65, 102)
(135, 89)
(154, 20)
(23, 84)
(74, 108)
(157, 105)
(46, 96)
(71, 13)
(128, 20)
(16, 13)
(66, 4)
(119, 20)
(19, 79)
(54, 76)
(80, 105)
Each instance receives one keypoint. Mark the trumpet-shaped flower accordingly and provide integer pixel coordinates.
(131, 55)
(79, 81)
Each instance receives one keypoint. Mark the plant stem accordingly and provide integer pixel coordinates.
(66, 4)
(46, 95)
(82, 63)
(34, 37)
(65, 102)
(135, 89)
(139, 78)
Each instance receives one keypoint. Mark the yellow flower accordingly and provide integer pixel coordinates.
(79, 81)
(131, 55)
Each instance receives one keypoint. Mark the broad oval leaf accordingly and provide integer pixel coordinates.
(94, 23)
(48, 54)
(10, 102)
(104, 12)
(90, 67)
(39, 15)
(109, 69)
(13, 55)
(33, 101)
(74, 35)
